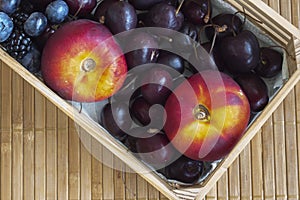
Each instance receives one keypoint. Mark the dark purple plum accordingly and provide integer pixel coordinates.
(255, 89)
(101, 9)
(120, 16)
(240, 53)
(157, 85)
(81, 7)
(171, 60)
(165, 16)
(156, 150)
(184, 170)
(270, 63)
(233, 23)
(116, 119)
(144, 50)
(197, 12)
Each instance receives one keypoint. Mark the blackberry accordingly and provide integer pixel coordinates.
(19, 43)
(19, 19)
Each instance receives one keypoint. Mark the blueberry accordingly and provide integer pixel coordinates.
(57, 11)
(9, 6)
(6, 26)
(35, 24)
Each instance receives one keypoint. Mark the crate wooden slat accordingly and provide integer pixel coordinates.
(39, 146)
(71, 175)
(6, 133)
(28, 142)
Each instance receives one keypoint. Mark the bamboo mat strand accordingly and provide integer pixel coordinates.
(42, 156)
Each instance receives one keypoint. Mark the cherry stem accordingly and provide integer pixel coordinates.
(179, 7)
(218, 29)
(77, 12)
(245, 17)
(201, 113)
(102, 19)
(286, 51)
(88, 65)
(213, 42)
(207, 16)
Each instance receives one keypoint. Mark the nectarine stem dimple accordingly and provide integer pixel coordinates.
(88, 65)
(201, 113)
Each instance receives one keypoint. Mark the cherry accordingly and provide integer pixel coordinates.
(144, 5)
(197, 12)
(120, 16)
(270, 62)
(156, 150)
(147, 54)
(172, 61)
(157, 85)
(241, 52)
(232, 22)
(129, 89)
(213, 51)
(143, 112)
(40, 4)
(116, 119)
(81, 7)
(165, 16)
(184, 169)
(42, 39)
(101, 9)
(255, 89)
(190, 30)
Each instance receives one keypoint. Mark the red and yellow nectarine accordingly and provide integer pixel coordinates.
(82, 62)
(206, 115)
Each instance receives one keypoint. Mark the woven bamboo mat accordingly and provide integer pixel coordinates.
(42, 156)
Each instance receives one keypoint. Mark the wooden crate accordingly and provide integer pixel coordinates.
(284, 33)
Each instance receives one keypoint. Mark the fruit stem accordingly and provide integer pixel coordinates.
(102, 19)
(179, 7)
(200, 112)
(247, 15)
(79, 9)
(207, 16)
(285, 50)
(218, 29)
(88, 65)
